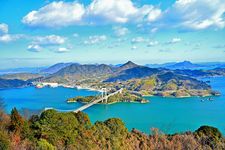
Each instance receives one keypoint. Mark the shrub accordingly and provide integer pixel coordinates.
(4, 141)
(42, 144)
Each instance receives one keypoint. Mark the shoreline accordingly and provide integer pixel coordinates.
(55, 85)
(109, 103)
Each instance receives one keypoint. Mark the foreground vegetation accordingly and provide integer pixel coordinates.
(54, 130)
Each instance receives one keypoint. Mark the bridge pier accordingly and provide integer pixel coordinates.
(106, 99)
(104, 94)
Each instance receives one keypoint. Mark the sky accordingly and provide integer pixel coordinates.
(40, 33)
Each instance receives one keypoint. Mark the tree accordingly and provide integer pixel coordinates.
(83, 119)
(2, 108)
(4, 141)
(42, 144)
(17, 122)
(58, 128)
(210, 136)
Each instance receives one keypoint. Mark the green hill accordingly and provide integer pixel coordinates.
(53, 130)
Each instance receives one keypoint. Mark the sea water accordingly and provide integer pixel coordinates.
(170, 115)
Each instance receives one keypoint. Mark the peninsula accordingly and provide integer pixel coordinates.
(130, 76)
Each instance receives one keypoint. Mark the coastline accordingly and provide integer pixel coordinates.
(110, 102)
(55, 85)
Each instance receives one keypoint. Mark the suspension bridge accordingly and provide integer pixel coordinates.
(104, 97)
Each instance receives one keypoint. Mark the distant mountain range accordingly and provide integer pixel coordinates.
(154, 81)
(21, 76)
(12, 83)
(188, 65)
(185, 65)
(22, 70)
(109, 73)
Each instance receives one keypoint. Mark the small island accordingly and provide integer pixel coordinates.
(125, 96)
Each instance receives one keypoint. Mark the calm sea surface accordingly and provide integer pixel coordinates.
(168, 114)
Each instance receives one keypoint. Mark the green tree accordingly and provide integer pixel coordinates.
(210, 136)
(83, 119)
(42, 144)
(17, 122)
(4, 141)
(58, 128)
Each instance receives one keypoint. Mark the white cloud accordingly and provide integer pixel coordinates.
(152, 43)
(3, 28)
(62, 50)
(174, 41)
(49, 40)
(120, 31)
(195, 14)
(95, 39)
(153, 30)
(154, 14)
(40, 42)
(184, 14)
(134, 47)
(138, 40)
(5, 38)
(56, 14)
(34, 48)
(118, 11)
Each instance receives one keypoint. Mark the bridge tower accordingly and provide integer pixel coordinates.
(104, 94)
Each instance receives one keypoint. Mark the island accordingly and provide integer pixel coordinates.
(125, 96)
(130, 76)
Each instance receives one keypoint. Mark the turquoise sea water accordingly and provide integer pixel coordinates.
(168, 114)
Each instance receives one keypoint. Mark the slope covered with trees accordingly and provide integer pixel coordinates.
(53, 130)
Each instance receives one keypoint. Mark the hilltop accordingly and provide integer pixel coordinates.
(184, 65)
(169, 84)
(142, 79)
(54, 68)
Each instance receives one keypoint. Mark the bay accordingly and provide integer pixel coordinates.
(170, 115)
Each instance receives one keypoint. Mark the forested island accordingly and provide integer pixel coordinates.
(125, 96)
(53, 130)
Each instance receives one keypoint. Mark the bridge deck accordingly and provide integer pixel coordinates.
(96, 101)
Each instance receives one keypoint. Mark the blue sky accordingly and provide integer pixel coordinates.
(40, 33)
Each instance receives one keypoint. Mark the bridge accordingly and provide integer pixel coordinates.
(104, 96)
(95, 101)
